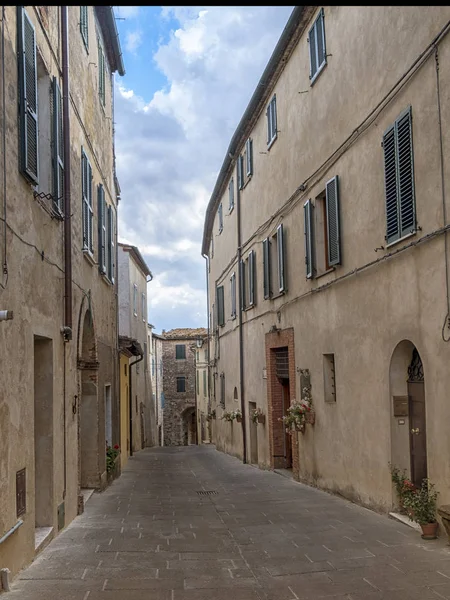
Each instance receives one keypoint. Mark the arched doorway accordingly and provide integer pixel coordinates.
(88, 438)
(408, 412)
(189, 426)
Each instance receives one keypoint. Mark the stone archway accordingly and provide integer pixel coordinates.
(88, 431)
(189, 426)
(408, 412)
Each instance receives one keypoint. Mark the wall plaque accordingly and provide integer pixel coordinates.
(401, 406)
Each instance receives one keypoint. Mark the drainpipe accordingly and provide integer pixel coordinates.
(131, 401)
(241, 334)
(67, 201)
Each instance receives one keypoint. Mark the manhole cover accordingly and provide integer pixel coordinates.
(206, 492)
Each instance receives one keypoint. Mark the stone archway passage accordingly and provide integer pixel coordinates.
(189, 427)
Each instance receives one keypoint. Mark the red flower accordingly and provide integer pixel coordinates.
(116, 447)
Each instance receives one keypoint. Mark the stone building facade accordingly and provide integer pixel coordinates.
(179, 386)
(59, 400)
(327, 254)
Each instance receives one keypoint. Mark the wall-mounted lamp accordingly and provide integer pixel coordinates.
(6, 315)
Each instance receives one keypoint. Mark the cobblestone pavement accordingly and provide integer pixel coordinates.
(195, 524)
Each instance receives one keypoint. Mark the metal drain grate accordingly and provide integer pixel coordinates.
(207, 492)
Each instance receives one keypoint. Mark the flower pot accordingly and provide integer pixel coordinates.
(429, 531)
(261, 419)
(310, 417)
(239, 419)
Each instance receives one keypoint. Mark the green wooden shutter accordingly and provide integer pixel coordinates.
(405, 173)
(58, 148)
(28, 97)
(266, 268)
(309, 245)
(111, 264)
(85, 200)
(390, 185)
(312, 51)
(101, 212)
(242, 279)
(251, 277)
(281, 259)
(220, 306)
(84, 25)
(332, 209)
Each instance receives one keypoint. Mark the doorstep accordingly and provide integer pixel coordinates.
(86, 493)
(406, 520)
(42, 536)
(285, 473)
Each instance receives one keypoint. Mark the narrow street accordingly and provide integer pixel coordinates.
(191, 523)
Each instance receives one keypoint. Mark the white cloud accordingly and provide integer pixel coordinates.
(170, 147)
(133, 41)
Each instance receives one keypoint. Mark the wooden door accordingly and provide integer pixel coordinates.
(253, 428)
(418, 437)
(287, 436)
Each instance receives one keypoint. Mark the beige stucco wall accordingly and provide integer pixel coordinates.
(362, 318)
(35, 292)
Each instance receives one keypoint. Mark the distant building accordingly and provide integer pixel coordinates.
(156, 373)
(138, 409)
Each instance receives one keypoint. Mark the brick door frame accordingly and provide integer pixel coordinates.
(282, 338)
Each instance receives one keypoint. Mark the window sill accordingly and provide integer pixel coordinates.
(89, 257)
(106, 279)
(318, 72)
(249, 307)
(272, 141)
(278, 295)
(330, 270)
(402, 239)
(230, 210)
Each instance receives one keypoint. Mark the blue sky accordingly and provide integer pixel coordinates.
(190, 72)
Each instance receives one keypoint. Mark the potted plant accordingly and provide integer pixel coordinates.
(237, 415)
(211, 415)
(296, 417)
(421, 506)
(403, 486)
(227, 415)
(258, 416)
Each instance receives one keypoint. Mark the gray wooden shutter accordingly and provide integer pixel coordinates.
(101, 73)
(220, 306)
(249, 148)
(233, 294)
(101, 211)
(242, 278)
(281, 259)
(58, 148)
(320, 32)
(251, 277)
(266, 268)
(84, 24)
(332, 208)
(220, 218)
(231, 192)
(268, 123)
(240, 171)
(91, 210)
(390, 185)
(85, 200)
(274, 116)
(309, 247)
(28, 103)
(405, 173)
(111, 245)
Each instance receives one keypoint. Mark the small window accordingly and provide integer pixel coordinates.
(88, 212)
(180, 351)
(248, 278)
(84, 25)
(317, 48)
(220, 218)
(233, 295)
(220, 306)
(144, 311)
(272, 121)
(181, 384)
(222, 390)
(274, 263)
(21, 492)
(135, 293)
(399, 179)
(231, 195)
(329, 378)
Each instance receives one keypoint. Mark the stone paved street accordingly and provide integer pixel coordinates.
(191, 523)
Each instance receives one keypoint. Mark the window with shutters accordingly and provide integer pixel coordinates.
(28, 97)
(271, 114)
(135, 300)
(205, 387)
(84, 25)
(322, 231)
(248, 157)
(101, 74)
(180, 351)
(181, 384)
(222, 390)
(317, 47)
(58, 148)
(233, 295)
(111, 246)
(220, 214)
(220, 299)
(87, 204)
(248, 274)
(240, 171)
(274, 264)
(102, 237)
(399, 179)
(231, 195)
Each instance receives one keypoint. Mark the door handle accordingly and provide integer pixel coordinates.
(415, 431)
